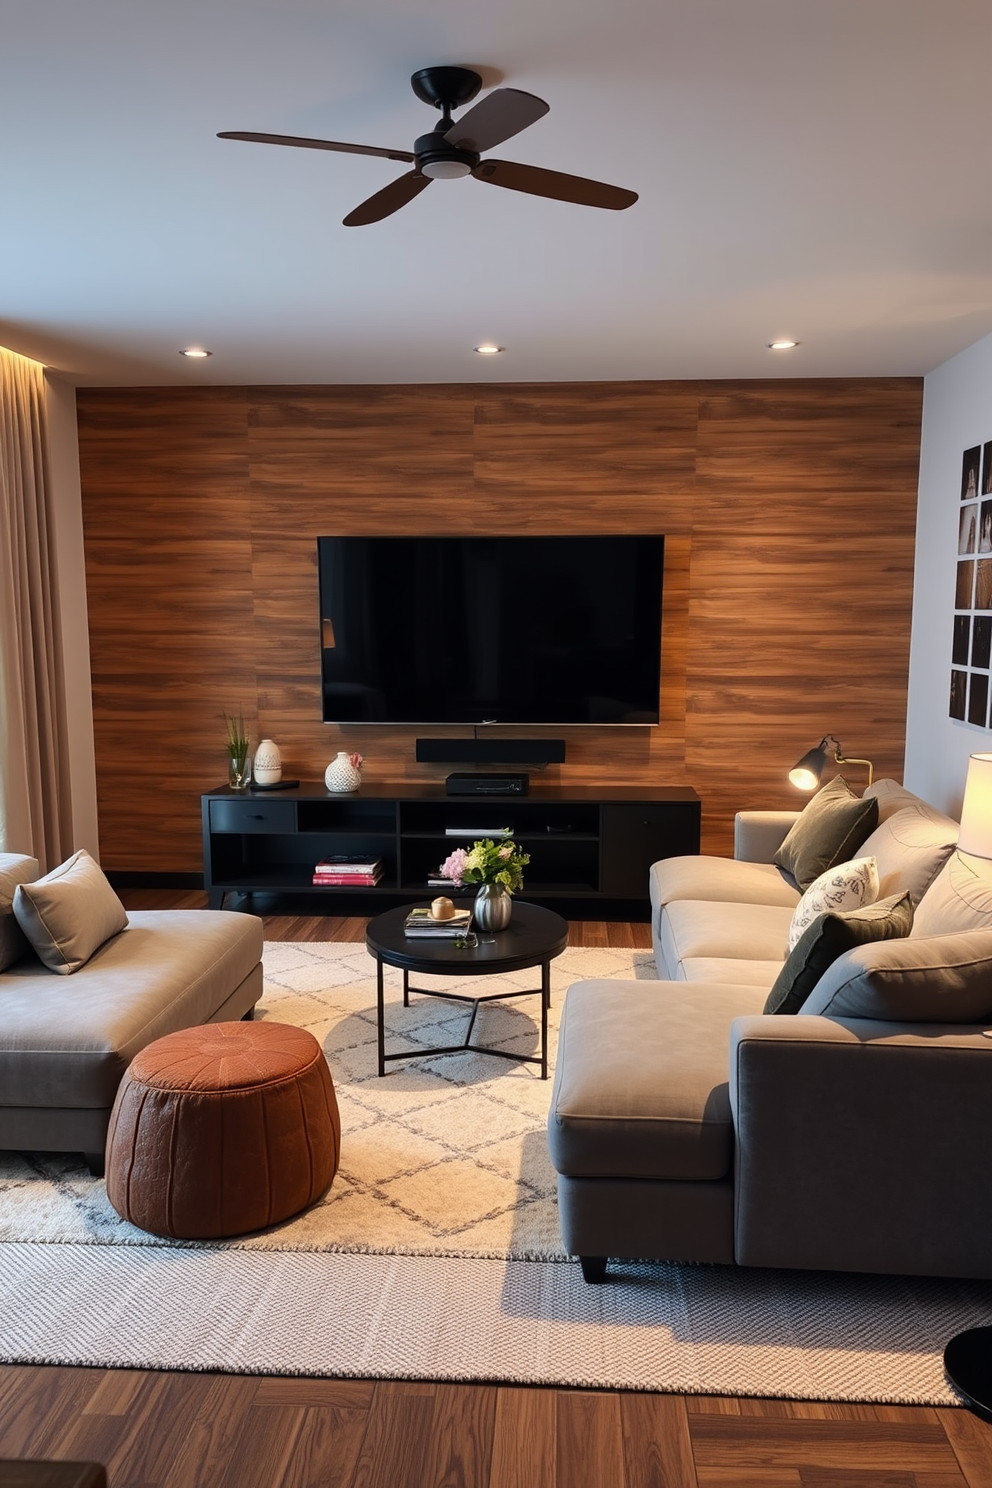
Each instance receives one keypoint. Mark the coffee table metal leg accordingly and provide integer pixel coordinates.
(381, 1014)
(406, 988)
(545, 1004)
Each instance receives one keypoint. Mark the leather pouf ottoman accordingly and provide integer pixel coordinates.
(222, 1129)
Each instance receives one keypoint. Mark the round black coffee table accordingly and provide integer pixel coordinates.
(534, 937)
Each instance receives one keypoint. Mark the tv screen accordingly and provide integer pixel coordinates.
(472, 630)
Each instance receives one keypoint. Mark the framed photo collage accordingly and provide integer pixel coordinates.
(971, 649)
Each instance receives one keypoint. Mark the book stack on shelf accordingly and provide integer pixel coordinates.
(478, 832)
(420, 924)
(342, 871)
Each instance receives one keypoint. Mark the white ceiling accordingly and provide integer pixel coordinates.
(813, 168)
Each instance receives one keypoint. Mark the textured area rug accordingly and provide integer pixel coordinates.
(690, 1329)
(436, 1254)
(445, 1156)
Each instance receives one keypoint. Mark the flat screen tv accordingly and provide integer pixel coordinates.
(474, 630)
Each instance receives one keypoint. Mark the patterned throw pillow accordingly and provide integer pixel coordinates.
(846, 887)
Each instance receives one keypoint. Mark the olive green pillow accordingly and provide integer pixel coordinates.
(829, 936)
(829, 830)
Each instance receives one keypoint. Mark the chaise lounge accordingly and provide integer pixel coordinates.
(66, 1039)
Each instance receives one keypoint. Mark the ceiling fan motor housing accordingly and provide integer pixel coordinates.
(436, 158)
(446, 87)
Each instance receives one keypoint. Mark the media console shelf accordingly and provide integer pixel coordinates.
(585, 842)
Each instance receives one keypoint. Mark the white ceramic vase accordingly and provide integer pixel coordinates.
(268, 763)
(341, 775)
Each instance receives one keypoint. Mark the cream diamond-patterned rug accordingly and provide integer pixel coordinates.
(444, 1156)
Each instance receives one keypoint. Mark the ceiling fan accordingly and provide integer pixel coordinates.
(453, 148)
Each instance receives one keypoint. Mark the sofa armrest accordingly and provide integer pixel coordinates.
(758, 835)
(861, 1145)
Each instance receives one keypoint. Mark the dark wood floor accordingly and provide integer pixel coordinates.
(160, 1430)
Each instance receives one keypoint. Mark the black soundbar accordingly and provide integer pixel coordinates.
(490, 751)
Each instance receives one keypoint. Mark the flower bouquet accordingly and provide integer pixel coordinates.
(498, 869)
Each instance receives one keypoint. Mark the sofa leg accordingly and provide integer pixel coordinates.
(249, 1016)
(95, 1162)
(593, 1268)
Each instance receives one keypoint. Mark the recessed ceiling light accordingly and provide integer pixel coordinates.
(489, 348)
(782, 345)
(195, 351)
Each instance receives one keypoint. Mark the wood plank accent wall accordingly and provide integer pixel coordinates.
(789, 509)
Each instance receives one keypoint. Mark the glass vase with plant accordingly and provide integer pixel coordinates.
(238, 752)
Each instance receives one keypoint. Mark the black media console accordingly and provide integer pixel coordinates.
(585, 842)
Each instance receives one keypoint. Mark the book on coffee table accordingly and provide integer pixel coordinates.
(419, 922)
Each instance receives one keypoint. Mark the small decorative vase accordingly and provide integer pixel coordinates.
(493, 904)
(341, 775)
(268, 763)
(238, 772)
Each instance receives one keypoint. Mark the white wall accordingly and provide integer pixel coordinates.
(957, 414)
(63, 455)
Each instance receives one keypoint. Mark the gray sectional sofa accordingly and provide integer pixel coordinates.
(689, 1124)
(66, 1040)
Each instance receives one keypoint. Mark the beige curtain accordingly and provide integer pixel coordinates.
(35, 814)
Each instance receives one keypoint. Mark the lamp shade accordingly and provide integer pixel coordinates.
(975, 836)
(805, 775)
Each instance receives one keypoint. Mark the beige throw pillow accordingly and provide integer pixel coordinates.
(960, 898)
(68, 914)
(911, 846)
(846, 887)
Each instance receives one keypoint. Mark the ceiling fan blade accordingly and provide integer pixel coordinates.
(315, 144)
(559, 187)
(388, 200)
(495, 118)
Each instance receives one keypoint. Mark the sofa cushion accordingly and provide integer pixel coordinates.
(960, 898)
(730, 971)
(891, 797)
(830, 829)
(740, 932)
(940, 979)
(829, 936)
(641, 1080)
(844, 887)
(68, 1045)
(69, 913)
(720, 880)
(911, 846)
(15, 868)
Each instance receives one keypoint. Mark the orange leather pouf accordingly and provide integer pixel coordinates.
(222, 1129)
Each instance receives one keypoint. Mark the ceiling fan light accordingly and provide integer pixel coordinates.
(446, 170)
(196, 352)
(783, 345)
(488, 348)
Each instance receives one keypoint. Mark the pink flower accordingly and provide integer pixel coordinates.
(454, 866)
(506, 851)
(357, 761)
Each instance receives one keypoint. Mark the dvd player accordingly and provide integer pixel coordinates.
(515, 784)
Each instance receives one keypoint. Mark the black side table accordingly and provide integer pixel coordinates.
(534, 937)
